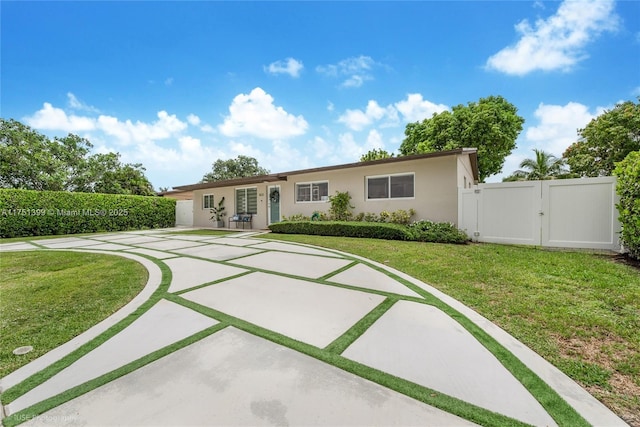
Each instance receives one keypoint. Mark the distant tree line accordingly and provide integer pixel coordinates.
(30, 160)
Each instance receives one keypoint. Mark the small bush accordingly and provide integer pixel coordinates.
(628, 188)
(296, 217)
(401, 216)
(341, 206)
(438, 232)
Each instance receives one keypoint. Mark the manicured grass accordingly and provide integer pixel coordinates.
(47, 298)
(580, 311)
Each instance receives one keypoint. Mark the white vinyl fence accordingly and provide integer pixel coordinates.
(184, 213)
(568, 213)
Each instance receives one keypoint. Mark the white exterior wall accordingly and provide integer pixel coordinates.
(435, 188)
(435, 191)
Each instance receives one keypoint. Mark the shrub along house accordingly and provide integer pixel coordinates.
(427, 183)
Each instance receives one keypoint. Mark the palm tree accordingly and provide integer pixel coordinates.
(544, 166)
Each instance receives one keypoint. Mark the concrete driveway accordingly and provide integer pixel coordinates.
(238, 330)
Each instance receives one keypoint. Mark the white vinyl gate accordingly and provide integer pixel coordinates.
(569, 213)
(184, 213)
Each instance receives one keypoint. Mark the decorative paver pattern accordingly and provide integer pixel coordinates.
(247, 331)
(236, 379)
(305, 311)
(175, 322)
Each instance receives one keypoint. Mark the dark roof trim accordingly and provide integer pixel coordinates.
(283, 176)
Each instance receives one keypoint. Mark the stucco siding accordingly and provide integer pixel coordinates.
(435, 189)
(436, 183)
(465, 172)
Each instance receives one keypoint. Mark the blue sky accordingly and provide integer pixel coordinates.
(178, 85)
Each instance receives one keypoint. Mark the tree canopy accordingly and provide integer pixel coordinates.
(375, 154)
(491, 125)
(543, 166)
(240, 167)
(30, 160)
(607, 139)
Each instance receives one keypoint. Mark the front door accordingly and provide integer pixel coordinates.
(274, 204)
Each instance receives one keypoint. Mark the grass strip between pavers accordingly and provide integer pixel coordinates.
(40, 377)
(423, 394)
(557, 408)
(50, 403)
(213, 282)
(562, 413)
(340, 344)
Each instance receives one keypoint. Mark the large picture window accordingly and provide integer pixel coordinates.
(247, 200)
(391, 187)
(207, 201)
(312, 192)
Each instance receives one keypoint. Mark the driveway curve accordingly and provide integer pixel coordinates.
(239, 330)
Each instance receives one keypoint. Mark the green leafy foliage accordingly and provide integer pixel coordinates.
(240, 167)
(491, 125)
(628, 188)
(370, 230)
(376, 154)
(218, 212)
(31, 161)
(340, 209)
(437, 232)
(422, 231)
(607, 139)
(543, 166)
(44, 213)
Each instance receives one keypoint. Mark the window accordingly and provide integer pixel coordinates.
(390, 187)
(247, 200)
(207, 201)
(312, 192)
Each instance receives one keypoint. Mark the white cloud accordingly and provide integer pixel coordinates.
(415, 108)
(168, 81)
(193, 120)
(52, 118)
(256, 115)
(374, 140)
(76, 104)
(558, 126)
(558, 42)
(355, 70)
(165, 127)
(288, 66)
(358, 119)
(349, 150)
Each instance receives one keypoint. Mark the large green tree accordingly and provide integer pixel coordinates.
(30, 160)
(607, 139)
(491, 125)
(240, 167)
(543, 166)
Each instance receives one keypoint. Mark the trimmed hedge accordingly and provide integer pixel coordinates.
(26, 213)
(422, 231)
(371, 230)
(628, 188)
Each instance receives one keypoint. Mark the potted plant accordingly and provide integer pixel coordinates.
(218, 213)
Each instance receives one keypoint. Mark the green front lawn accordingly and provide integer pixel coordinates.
(47, 298)
(580, 311)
